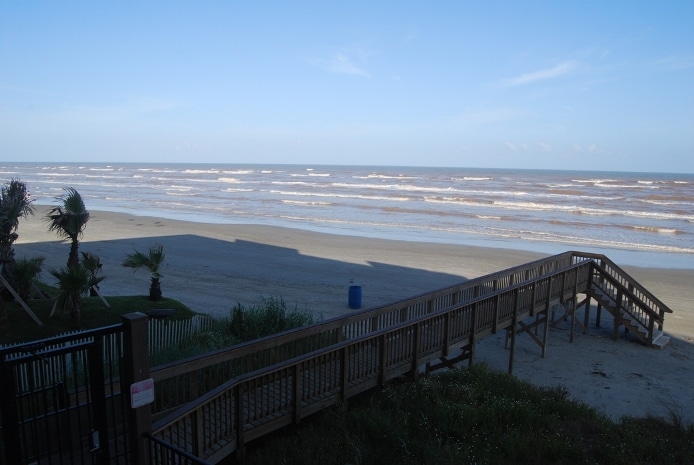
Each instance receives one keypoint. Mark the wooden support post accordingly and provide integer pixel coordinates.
(240, 421)
(586, 316)
(513, 332)
(473, 333)
(572, 306)
(545, 334)
(447, 333)
(103, 299)
(296, 393)
(617, 317)
(415, 349)
(135, 370)
(383, 359)
(344, 374)
(597, 315)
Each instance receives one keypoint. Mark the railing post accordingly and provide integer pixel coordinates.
(297, 387)
(240, 426)
(514, 322)
(97, 385)
(383, 359)
(8, 411)
(473, 332)
(617, 317)
(136, 369)
(415, 349)
(446, 332)
(344, 374)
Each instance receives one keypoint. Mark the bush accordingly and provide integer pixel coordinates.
(268, 316)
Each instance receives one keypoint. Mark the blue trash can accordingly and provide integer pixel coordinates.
(354, 297)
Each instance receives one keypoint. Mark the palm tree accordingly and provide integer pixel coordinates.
(73, 281)
(93, 265)
(68, 221)
(23, 274)
(152, 261)
(15, 203)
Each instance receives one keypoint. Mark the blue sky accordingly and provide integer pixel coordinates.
(602, 85)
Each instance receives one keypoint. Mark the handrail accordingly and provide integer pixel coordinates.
(252, 355)
(163, 453)
(601, 260)
(633, 298)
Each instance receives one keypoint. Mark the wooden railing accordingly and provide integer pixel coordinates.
(209, 406)
(183, 381)
(644, 309)
(251, 405)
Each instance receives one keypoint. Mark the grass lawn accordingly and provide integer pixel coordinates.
(22, 328)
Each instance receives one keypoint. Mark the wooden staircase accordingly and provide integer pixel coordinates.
(629, 311)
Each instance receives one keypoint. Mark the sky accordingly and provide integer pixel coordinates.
(599, 85)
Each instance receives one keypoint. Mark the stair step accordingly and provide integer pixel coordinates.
(660, 340)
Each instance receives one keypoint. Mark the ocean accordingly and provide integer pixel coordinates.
(642, 219)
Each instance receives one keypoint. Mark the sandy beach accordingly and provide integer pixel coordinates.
(211, 267)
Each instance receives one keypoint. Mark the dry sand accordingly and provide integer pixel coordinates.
(211, 267)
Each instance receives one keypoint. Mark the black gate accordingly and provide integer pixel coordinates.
(61, 400)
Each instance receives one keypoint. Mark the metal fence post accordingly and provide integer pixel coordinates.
(8, 410)
(135, 372)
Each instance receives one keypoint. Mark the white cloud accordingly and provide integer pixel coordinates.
(560, 70)
(510, 146)
(342, 63)
(544, 147)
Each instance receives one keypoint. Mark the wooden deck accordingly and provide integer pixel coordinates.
(277, 381)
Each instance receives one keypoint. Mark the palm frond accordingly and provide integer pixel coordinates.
(151, 261)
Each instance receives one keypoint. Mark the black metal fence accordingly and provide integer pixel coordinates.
(163, 453)
(61, 401)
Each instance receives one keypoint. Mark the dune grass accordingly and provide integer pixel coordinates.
(474, 416)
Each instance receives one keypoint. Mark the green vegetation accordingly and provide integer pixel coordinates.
(152, 261)
(15, 203)
(94, 314)
(269, 316)
(474, 416)
(68, 221)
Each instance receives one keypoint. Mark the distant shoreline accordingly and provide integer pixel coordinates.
(638, 258)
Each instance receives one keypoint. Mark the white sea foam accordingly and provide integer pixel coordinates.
(638, 212)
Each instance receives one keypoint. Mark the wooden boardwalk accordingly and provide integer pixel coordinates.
(277, 381)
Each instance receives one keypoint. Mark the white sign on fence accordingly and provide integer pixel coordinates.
(142, 393)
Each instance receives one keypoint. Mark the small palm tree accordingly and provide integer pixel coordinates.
(23, 274)
(73, 281)
(15, 203)
(68, 221)
(152, 261)
(93, 265)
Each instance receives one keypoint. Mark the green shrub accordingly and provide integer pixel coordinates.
(269, 316)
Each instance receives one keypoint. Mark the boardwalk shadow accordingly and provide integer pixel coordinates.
(211, 275)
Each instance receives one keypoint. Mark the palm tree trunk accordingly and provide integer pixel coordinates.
(74, 258)
(75, 311)
(155, 290)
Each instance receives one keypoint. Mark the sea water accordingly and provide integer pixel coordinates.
(633, 218)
